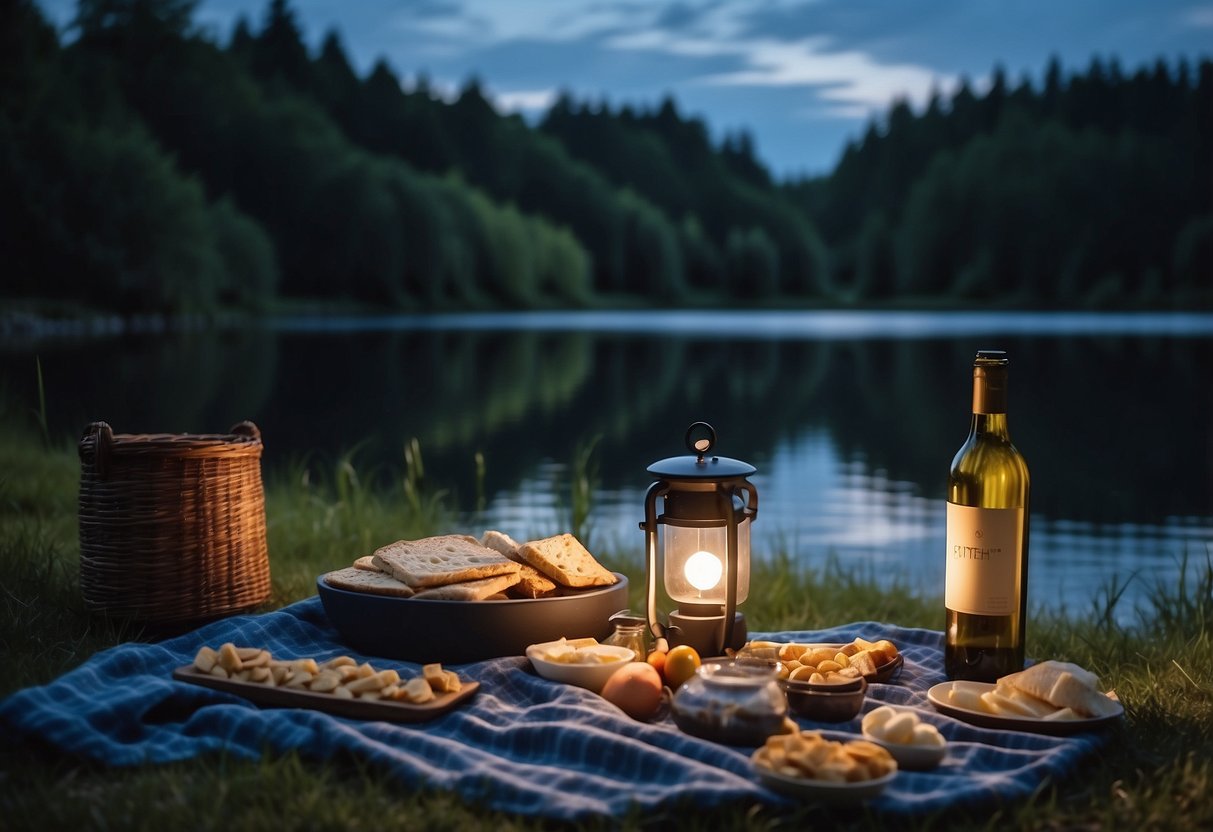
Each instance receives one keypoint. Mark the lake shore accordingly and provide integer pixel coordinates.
(1156, 772)
(23, 321)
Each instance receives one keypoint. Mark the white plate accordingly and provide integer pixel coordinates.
(822, 789)
(1057, 727)
(589, 676)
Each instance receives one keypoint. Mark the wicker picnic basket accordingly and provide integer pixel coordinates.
(172, 526)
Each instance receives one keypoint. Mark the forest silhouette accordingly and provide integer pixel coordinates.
(149, 168)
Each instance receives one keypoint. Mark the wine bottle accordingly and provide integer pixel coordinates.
(986, 587)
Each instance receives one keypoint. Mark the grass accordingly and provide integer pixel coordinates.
(1155, 773)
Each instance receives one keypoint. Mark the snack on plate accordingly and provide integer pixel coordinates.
(438, 561)
(900, 727)
(531, 582)
(458, 567)
(357, 579)
(566, 561)
(818, 664)
(1049, 690)
(476, 590)
(440, 680)
(577, 651)
(340, 676)
(808, 755)
(501, 542)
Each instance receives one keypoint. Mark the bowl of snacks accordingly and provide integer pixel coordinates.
(810, 765)
(579, 661)
(913, 743)
(453, 598)
(875, 661)
(837, 699)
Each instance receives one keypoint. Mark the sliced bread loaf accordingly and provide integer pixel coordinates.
(563, 559)
(477, 590)
(442, 560)
(532, 583)
(363, 580)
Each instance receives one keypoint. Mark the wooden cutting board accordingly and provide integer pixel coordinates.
(275, 697)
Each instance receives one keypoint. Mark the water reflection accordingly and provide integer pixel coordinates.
(851, 420)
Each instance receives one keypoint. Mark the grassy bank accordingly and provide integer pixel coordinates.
(1156, 772)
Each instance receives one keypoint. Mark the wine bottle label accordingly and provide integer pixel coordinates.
(984, 546)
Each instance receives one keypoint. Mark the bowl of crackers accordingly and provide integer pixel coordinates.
(812, 765)
(457, 598)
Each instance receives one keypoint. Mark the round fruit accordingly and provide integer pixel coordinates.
(635, 688)
(657, 660)
(680, 664)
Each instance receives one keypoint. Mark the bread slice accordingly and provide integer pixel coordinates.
(1064, 685)
(442, 560)
(367, 562)
(362, 580)
(563, 559)
(532, 583)
(477, 590)
(500, 542)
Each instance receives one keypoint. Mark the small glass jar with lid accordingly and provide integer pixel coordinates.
(736, 703)
(630, 631)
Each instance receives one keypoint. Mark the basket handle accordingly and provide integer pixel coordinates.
(103, 439)
(246, 428)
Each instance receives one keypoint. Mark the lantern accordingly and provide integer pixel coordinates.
(707, 506)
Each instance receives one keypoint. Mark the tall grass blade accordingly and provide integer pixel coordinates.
(583, 481)
(41, 414)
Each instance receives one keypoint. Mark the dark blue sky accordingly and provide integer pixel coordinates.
(802, 76)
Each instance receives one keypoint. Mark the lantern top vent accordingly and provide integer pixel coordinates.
(702, 465)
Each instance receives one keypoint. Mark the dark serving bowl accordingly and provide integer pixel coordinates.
(826, 702)
(467, 631)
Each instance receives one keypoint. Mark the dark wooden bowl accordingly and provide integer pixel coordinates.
(422, 630)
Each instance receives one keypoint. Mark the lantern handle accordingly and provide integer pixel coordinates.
(703, 445)
(656, 490)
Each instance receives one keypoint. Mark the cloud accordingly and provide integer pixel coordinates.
(525, 101)
(852, 82)
(845, 78)
(1200, 17)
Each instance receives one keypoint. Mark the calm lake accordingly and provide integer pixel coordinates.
(851, 418)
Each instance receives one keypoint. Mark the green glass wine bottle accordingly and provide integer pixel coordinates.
(986, 586)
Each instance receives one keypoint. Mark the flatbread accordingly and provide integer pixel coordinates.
(501, 542)
(442, 560)
(563, 559)
(532, 583)
(1063, 685)
(477, 590)
(362, 580)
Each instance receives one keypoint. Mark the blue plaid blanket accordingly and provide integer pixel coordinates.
(521, 744)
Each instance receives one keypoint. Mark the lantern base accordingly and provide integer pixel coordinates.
(706, 632)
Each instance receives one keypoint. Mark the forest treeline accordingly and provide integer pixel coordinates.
(147, 167)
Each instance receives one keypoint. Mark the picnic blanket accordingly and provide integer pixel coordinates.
(521, 744)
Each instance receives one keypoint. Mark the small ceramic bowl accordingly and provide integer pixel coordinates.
(583, 675)
(912, 757)
(826, 702)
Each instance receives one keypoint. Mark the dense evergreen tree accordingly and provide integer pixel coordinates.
(92, 209)
(145, 168)
(1092, 191)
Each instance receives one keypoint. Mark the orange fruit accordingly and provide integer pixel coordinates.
(680, 664)
(657, 660)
